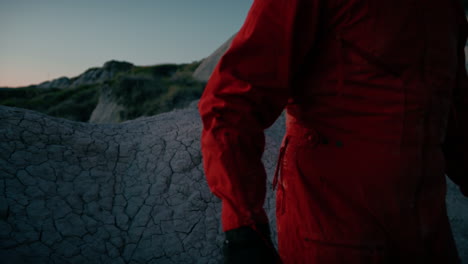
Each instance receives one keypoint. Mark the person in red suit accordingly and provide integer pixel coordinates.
(376, 94)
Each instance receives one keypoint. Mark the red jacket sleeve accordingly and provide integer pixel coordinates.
(456, 140)
(246, 93)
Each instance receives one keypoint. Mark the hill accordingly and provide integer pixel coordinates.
(131, 90)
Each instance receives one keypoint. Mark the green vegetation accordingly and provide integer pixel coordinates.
(161, 89)
(142, 90)
(75, 104)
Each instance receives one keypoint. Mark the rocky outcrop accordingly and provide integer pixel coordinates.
(100, 75)
(91, 76)
(132, 192)
(203, 72)
(107, 110)
(62, 82)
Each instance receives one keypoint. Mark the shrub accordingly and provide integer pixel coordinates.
(78, 106)
(75, 104)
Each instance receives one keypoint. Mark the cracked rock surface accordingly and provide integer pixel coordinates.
(133, 192)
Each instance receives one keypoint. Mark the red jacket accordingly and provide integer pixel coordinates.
(376, 94)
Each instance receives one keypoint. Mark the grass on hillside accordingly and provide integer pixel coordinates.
(162, 89)
(143, 90)
(74, 104)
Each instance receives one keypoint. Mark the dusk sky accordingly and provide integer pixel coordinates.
(47, 39)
